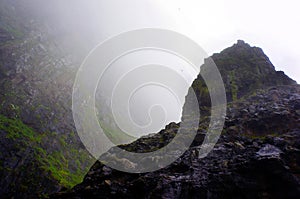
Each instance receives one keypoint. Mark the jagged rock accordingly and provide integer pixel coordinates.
(269, 150)
(257, 155)
(244, 69)
(36, 78)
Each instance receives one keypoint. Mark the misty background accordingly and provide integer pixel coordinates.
(216, 24)
(80, 25)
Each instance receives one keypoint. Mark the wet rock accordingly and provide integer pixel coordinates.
(243, 164)
(270, 151)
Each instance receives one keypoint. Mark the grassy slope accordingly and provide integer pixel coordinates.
(55, 162)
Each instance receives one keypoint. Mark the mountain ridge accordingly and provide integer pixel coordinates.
(255, 156)
(41, 153)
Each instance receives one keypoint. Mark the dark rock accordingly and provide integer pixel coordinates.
(247, 162)
(257, 155)
(35, 89)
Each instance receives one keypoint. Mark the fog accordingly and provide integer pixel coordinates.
(81, 25)
(158, 98)
(216, 24)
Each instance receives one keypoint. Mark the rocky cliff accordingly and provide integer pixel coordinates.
(257, 155)
(40, 151)
(40, 154)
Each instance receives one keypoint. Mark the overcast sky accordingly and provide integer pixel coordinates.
(215, 24)
(270, 24)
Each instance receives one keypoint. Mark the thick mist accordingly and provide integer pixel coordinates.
(162, 79)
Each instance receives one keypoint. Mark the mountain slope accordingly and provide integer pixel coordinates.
(257, 155)
(244, 69)
(40, 150)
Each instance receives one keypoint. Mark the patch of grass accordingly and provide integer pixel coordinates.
(56, 162)
(15, 129)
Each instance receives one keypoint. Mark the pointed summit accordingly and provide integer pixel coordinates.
(244, 69)
(241, 43)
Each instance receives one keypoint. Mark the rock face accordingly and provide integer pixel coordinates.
(257, 155)
(244, 69)
(40, 151)
(243, 164)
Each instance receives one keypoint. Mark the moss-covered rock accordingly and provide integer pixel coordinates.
(29, 168)
(41, 151)
(244, 69)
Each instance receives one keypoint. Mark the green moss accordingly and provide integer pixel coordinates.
(62, 140)
(261, 137)
(16, 129)
(56, 162)
(59, 166)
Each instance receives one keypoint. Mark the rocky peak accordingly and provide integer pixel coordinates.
(243, 69)
(255, 156)
(242, 42)
(243, 164)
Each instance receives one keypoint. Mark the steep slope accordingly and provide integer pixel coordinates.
(244, 69)
(40, 150)
(257, 155)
